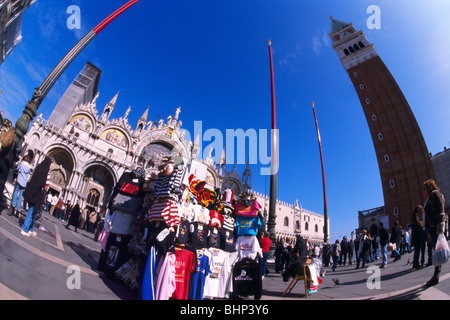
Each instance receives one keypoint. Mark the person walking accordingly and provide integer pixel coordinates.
(363, 250)
(335, 253)
(92, 220)
(383, 241)
(53, 204)
(23, 172)
(35, 195)
(434, 220)
(59, 208)
(83, 217)
(278, 255)
(351, 249)
(74, 219)
(417, 236)
(344, 251)
(67, 210)
(396, 238)
(265, 243)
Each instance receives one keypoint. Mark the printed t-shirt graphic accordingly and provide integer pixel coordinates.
(247, 225)
(248, 247)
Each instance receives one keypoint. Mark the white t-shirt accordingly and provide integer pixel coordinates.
(216, 283)
(54, 200)
(248, 247)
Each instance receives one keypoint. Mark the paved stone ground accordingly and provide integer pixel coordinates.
(37, 269)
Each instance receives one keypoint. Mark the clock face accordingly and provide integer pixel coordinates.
(345, 34)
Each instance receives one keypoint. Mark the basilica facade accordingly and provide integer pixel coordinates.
(92, 151)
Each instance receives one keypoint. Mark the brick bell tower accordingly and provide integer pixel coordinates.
(402, 155)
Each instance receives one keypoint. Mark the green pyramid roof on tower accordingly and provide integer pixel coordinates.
(336, 24)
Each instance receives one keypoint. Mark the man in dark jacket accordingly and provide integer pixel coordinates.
(384, 240)
(35, 195)
(344, 251)
(396, 237)
(74, 219)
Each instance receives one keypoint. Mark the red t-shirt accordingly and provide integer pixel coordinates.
(265, 244)
(184, 266)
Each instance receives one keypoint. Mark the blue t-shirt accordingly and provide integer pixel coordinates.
(247, 226)
(198, 278)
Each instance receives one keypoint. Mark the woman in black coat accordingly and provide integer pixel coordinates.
(434, 220)
(74, 219)
(35, 195)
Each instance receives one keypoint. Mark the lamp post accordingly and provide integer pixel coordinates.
(325, 210)
(40, 93)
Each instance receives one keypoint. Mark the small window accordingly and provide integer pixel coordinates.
(392, 184)
(380, 136)
(317, 228)
(374, 117)
(361, 45)
(355, 74)
(286, 222)
(351, 49)
(306, 226)
(368, 101)
(386, 158)
(356, 47)
(395, 211)
(346, 52)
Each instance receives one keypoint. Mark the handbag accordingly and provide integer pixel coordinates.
(441, 252)
(392, 246)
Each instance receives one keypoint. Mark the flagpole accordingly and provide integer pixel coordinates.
(325, 227)
(40, 93)
(274, 163)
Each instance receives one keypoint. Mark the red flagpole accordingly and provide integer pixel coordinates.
(325, 231)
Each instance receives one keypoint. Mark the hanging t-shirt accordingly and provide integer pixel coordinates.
(199, 277)
(228, 223)
(216, 283)
(247, 278)
(199, 235)
(149, 277)
(251, 211)
(185, 211)
(214, 237)
(201, 214)
(247, 225)
(216, 219)
(248, 247)
(227, 240)
(184, 266)
(165, 282)
(183, 231)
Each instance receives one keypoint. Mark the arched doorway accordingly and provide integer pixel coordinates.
(99, 186)
(61, 171)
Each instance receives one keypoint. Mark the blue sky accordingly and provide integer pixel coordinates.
(211, 58)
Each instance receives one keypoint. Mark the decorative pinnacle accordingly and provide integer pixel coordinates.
(270, 42)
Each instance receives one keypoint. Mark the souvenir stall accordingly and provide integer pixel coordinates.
(189, 241)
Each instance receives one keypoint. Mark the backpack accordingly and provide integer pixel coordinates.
(335, 251)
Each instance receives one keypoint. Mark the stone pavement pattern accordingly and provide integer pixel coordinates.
(37, 269)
